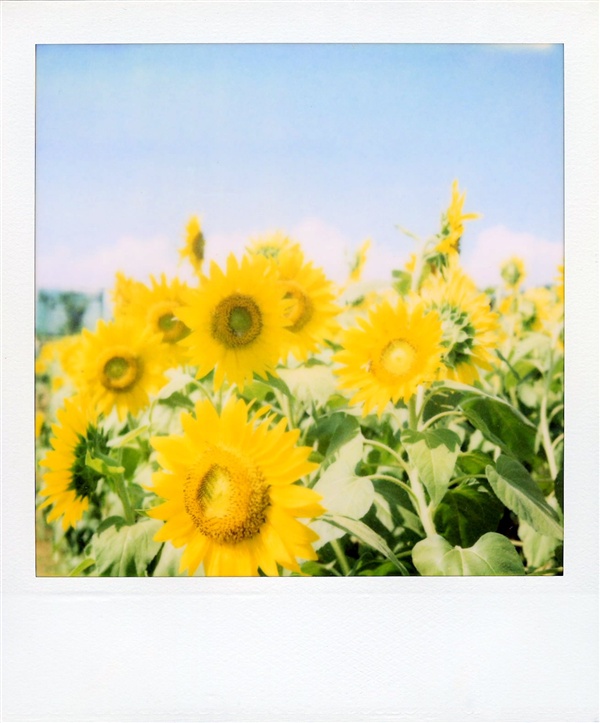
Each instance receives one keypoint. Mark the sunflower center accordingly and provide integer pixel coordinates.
(165, 322)
(236, 321)
(300, 309)
(226, 497)
(198, 244)
(398, 357)
(121, 372)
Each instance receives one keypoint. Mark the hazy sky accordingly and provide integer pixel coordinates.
(330, 143)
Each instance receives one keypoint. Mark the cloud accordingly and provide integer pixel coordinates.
(138, 258)
(495, 245)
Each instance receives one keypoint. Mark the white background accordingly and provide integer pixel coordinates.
(300, 649)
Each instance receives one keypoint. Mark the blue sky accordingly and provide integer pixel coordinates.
(332, 143)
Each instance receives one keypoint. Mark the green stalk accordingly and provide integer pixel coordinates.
(341, 556)
(544, 426)
(395, 455)
(422, 507)
(122, 492)
(396, 481)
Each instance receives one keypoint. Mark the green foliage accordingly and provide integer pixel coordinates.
(468, 512)
(126, 551)
(514, 487)
(492, 554)
(434, 454)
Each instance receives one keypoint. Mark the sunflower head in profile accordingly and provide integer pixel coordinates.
(238, 320)
(155, 307)
(122, 364)
(195, 244)
(229, 491)
(469, 326)
(68, 483)
(453, 224)
(389, 354)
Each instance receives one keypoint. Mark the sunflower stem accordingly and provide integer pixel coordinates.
(544, 424)
(121, 490)
(341, 556)
(412, 413)
(451, 413)
(395, 455)
(422, 506)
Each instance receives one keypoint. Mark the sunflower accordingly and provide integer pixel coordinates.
(238, 320)
(453, 227)
(271, 245)
(560, 283)
(469, 325)
(393, 351)
(311, 311)
(195, 244)
(122, 364)
(155, 307)
(40, 420)
(230, 497)
(513, 272)
(69, 482)
(358, 262)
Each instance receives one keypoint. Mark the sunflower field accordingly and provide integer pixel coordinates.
(268, 421)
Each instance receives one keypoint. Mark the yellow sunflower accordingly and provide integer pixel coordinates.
(389, 354)
(195, 244)
(155, 307)
(271, 245)
(469, 325)
(513, 272)
(230, 497)
(69, 483)
(359, 261)
(122, 363)
(454, 222)
(238, 320)
(312, 311)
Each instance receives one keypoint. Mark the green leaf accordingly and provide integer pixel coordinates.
(515, 488)
(367, 536)
(502, 425)
(177, 399)
(497, 420)
(126, 552)
(537, 549)
(333, 432)
(310, 385)
(434, 454)
(344, 493)
(403, 282)
(559, 489)
(492, 554)
(102, 464)
(468, 512)
(473, 462)
(126, 439)
(277, 383)
(115, 520)
(83, 565)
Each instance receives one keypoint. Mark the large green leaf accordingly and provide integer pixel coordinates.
(344, 493)
(366, 535)
(434, 454)
(310, 385)
(514, 487)
(537, 549)
(501, 424)
(126, 551)
(468, 512)
(498, 421)
(333, 432)
(492, 554)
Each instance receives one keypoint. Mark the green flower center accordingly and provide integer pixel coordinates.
(236, 321)
(121, 372)
(398, 357)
